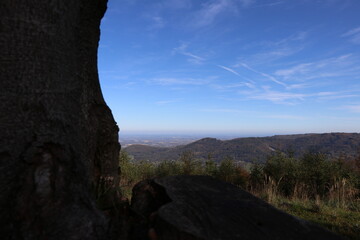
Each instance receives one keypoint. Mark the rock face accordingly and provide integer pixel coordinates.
(200, 207)
(57, 135)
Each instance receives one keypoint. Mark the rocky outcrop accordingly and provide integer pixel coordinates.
(200, 207)
(58, 137)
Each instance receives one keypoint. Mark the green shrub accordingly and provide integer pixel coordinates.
(168, 168)
(231, 172)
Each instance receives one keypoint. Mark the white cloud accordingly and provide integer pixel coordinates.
(271, 4)
(270, 51)
(157, 23)
(230, 87)
(297, 86)
(271, 54)
(271, 78)
(229, 70)
(352, 32)
(353, 35)
(182, 49)
(298, 69)
(247, 3)
(278, 97)
(176, 4)
(290, 117)
(194, 58)
(166, 102)
(210, 12)
(213, 9)
(291, 98)
(353, 108)
(298, 36)
(329, 67)
(333, 97)
(293, 93)
(178, 81)
(221, 110)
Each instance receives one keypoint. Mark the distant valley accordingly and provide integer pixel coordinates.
(156, 140)
(252, 148)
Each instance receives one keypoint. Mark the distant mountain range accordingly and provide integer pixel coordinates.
(254, 148)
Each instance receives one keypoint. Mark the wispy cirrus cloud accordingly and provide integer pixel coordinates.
(298, 69)
(291, 98)
(166, 102)
(178, 81)
(284, 116)
(175, 4)
(297, 36)
(210, 11)
(268, 76)
(157, 23)
(272, 54)
(249, 83)
(273, 50)
(352, 32)
(330, 67)
(288, 98)
(355, 108)
(182, 49)
(271, 4)
(221, 110)
(232, 87)
(229, 70)
(256, 114)
(353, 35)
(337, 95)
(296, 84)
(247, 3)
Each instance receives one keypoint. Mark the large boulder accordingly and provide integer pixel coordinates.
(200, 207)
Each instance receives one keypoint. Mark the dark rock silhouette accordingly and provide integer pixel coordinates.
(200, 207)
(58, 137)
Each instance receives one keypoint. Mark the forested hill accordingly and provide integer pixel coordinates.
(255, 148)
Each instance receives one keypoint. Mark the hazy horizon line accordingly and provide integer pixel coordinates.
(217, 134)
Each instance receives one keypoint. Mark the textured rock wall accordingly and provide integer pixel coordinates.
(57, 136)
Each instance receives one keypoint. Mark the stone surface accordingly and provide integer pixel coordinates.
(200, 207)
(57, 135)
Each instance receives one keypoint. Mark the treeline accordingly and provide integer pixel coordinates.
(312, 176)
(312, 187)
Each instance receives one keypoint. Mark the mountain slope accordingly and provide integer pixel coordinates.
(254, 148)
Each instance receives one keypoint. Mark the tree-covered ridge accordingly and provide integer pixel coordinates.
(255, 148)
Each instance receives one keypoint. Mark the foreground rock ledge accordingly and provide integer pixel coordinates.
(200, 207)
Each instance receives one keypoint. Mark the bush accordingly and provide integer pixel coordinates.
(231, 172)
(168, 168)
(284, 171)
(190, 166)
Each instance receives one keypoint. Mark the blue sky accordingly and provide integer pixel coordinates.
(240, 67)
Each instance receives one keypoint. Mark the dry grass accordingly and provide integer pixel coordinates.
(341, 219)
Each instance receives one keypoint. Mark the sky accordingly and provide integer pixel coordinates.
(240, 67)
